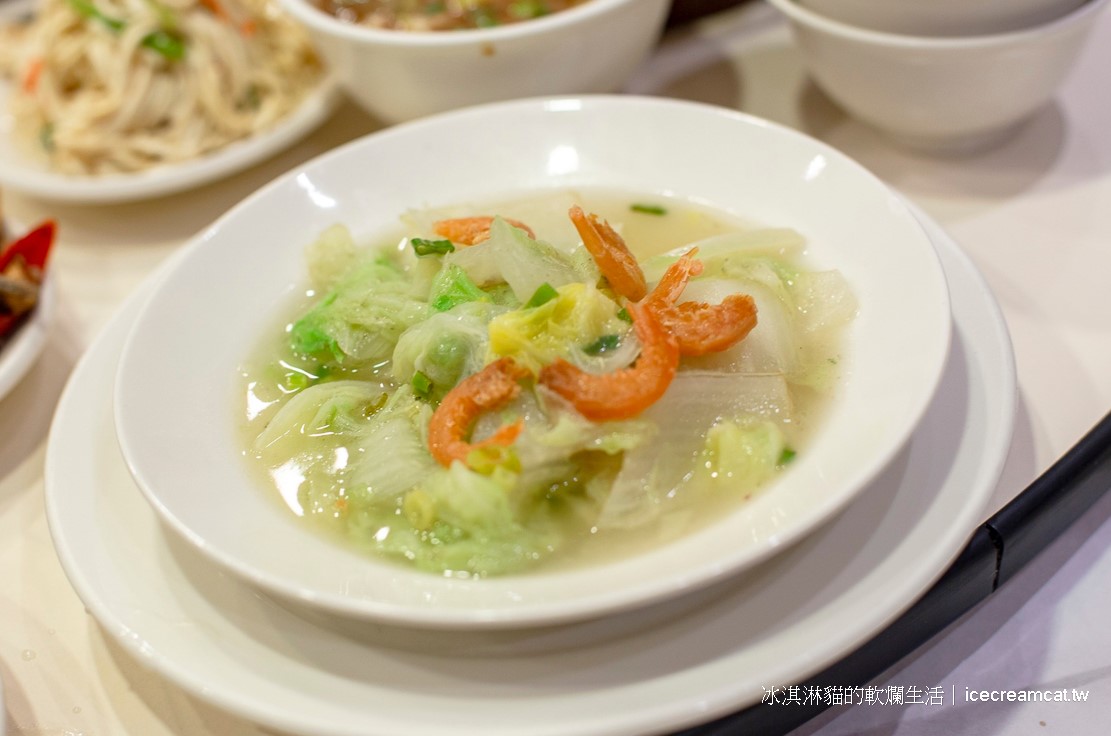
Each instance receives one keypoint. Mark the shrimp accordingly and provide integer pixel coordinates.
(473, 230)
(670, 286)
(698, 327)
(492, 387)
(609, 251)
(624, 393)
(702, 328)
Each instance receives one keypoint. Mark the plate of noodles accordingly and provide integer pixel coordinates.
(108, 101)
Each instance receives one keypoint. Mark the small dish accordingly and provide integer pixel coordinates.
(22, 349)
(895, 348)
(940, 94)
(943, 17)
(21, 172)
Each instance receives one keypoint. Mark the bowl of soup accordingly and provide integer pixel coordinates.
(403, 59)
(598, 375)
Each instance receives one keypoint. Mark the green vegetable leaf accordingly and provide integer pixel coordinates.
(578, 314)
(453, 287)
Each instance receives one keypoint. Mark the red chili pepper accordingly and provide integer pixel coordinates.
(34, 247)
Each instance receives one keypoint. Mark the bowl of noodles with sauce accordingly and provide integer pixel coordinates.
(600, 374)
(111, 100)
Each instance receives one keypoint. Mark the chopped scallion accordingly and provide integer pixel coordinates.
(422, 385)
(786, 456)
(165, 42)
(543, 294)
(88, 10)
(648, 209)
(603, 344)
(424, 247)
(169, 45)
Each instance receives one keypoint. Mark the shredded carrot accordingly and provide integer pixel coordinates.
(492, 387)
(217, 8)
(34, 72)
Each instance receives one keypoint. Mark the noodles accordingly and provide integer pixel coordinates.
(109, 86)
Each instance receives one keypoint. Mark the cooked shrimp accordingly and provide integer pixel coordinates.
(613, 257)
(492, 387)
(698, 327)
(670, 286)
(624, 393)
(473, 230)
(702, 328)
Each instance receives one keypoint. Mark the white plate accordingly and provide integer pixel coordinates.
(24, 347)
(894, 350)
(21, 172)
(661, 669)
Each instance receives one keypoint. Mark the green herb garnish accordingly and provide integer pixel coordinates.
(543, 294)
(169, 45)
(786, 456)
(422, 385)
(92, 12)
(424, 247)
(525, 9)
(296, 382)
(648, 209)
(603, 344)
(165, 42)
(624, 316)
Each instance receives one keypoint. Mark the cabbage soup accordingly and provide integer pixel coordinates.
(539, 383)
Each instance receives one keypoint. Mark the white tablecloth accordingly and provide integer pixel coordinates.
(1033, 213)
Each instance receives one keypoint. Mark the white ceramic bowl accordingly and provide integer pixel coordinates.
(401, 75)
(940, 93)
(178, 388)
(943, 17)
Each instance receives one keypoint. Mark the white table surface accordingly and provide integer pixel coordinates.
(1035, 216)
